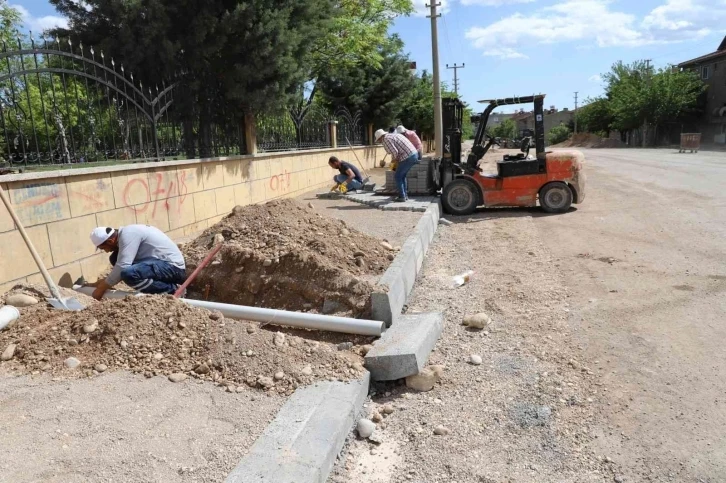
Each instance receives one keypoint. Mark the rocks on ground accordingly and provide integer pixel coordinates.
(160, 335)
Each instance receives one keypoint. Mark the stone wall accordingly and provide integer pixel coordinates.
(60, 208)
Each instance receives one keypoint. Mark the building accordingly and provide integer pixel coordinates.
(712, 69)
(552, 118)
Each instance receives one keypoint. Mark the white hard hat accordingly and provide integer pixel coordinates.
(379, 134)
(100, 234)
(400, 129)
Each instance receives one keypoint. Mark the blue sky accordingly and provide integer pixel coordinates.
(521, 47)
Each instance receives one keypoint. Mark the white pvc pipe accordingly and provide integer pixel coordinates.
(8, 314)
(273, 316)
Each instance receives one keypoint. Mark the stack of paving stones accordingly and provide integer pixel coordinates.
(419, 179)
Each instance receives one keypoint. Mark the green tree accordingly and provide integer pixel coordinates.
(558, 134)
(640, 98)
(10, 23)
(506, 129)
(595, 117)
(377, 91)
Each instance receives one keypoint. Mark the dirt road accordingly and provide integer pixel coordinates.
(645, 263)
(603, 361)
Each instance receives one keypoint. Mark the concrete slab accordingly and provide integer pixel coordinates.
(404, 348)
(301, 444)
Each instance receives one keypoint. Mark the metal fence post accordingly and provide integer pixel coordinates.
(333, 128)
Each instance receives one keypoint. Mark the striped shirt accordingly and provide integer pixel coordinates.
(398, 146)
(413, 137)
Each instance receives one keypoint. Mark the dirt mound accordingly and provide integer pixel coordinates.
(286, 256)
(589, 140)
(159, 335)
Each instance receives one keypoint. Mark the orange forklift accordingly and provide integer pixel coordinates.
(557, 179)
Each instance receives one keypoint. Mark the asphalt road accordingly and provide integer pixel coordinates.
(644, 259)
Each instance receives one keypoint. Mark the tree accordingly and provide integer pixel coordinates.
(595, 117)
(506, 129)
(233, 56)
(640, 98)
(558, 134)
(378, 92)
(10, 22)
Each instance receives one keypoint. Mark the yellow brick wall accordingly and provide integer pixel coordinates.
(181, 198)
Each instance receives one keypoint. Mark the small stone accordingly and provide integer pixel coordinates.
(216, 315)
(441, 430)
(358, 367)
(376, 417)
(311, 206)
(344, 346)
(124, 344)
(391, 257)
(477, 321)
(240, 389)
(71, 363)
(158, 356)
(177, 377)
(238, 209)
(618, 479)
(251, 329)
(182, 324)
(365, 428)
(218, 238)
(279, 339)
(265, 382)
(387, 409)
(475, 360)
(90, 328)
(359, 261)
(72, 342)
(359, 254)
(345, 232)
(387, 245)
(279, 375)
(202, 369)
(100, 368)
(267, 262)
(307, 370)
(376, 437)
(20, 300)
(8, 353)
(424, 380)
(445, 222)
(365, 349)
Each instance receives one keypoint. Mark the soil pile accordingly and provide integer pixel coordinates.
(284, 255)
(159, 335)
(589, 140)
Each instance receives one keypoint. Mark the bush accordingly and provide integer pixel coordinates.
(558, 134)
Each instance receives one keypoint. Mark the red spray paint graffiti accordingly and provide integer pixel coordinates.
(157, 193)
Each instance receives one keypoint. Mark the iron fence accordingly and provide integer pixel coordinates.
(62, 103)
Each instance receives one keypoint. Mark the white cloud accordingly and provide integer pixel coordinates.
(40, 24)
(597, 78)
(595, 22)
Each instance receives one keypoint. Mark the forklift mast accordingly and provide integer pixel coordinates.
(479, 149)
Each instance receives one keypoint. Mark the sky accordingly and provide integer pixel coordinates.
(523, 47)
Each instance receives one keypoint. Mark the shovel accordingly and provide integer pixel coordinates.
(57, 301)
(367, 178)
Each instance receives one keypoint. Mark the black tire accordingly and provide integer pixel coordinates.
(460, 197)
(555, 197)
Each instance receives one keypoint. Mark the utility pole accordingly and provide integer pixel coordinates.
(576, 112)
(456, 78)
(645, 123)
(438, 119)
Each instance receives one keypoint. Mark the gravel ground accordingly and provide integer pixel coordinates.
(527, 412)
(392, 226)
(122, 427)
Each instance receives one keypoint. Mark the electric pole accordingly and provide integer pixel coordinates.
(456, 78)
(575, 112)
(438, 119)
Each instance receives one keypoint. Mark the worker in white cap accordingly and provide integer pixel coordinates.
(413, 137)
(404, 154)
(143, 257)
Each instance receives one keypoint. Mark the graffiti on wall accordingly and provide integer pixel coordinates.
(156, 193)
(280, 182)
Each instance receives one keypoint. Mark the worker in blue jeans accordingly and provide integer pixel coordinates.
(404, 154)
(349, 174)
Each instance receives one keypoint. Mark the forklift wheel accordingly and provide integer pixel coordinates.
(555, 198)
(460, 197)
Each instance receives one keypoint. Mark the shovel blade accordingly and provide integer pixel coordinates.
(66, 304)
